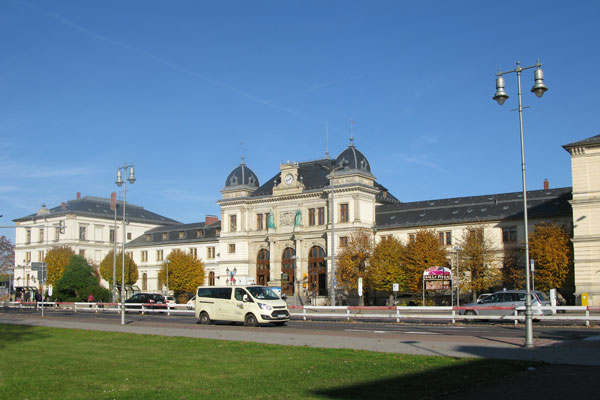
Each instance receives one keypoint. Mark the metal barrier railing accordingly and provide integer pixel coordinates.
(585, 314)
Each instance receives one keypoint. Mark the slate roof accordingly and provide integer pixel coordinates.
(98, 207)
(156, 236)
(241, 176)
(593, 141)
(460, 210)
(313, 174)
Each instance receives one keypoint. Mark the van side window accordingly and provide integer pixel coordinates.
(222, 293)
(239, 294)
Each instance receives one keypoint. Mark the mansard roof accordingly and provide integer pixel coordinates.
(178, 234)
(314, 176)
(593, 142)
(97, 207)
(461, 210)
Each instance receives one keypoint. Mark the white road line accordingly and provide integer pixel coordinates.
(423, 333)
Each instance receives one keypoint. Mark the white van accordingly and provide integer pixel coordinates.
(252, 305)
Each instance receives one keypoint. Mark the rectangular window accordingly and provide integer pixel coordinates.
(41, 238)
(181, 234)
(129, 254)
(56, 234)
(311, 217)
(159, 255)
(232, 223)
(343, 241)
(445, 238)
(231, 248)
(28, 256)
(83, 233)
(260, 224)
(165, 236)
(82, 253)
(128, 235)
(144, 255)
(199, 233)
(194, 252)
(111, 236)
(210, 253)
(509, 234)
(344, 212)
(321, 216)
(41, 256)
(27, 236)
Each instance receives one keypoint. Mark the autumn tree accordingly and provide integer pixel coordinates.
(386, 265)
(7, 255)
(513, 270)
(57, 260)
(131, 270)
(550, 248)
(354, 261)
(478, 271)
(421, 253)
(186, 272)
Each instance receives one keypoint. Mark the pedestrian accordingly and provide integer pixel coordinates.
(91, 298)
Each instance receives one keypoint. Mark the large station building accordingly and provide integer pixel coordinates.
(285, 231)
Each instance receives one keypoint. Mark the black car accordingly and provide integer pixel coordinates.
(149, 300)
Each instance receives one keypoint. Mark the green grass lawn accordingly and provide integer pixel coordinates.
(50, 363)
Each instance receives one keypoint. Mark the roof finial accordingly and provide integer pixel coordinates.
(351, 135)
(327, 140)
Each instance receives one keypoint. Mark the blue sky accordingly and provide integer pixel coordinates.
(182, 88)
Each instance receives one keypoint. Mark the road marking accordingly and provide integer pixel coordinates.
(423, 333)
(592, 339)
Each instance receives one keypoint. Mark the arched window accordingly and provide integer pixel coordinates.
(145, 281)
(263, 267)
(317, 272)
(288, 271)
(211, 278)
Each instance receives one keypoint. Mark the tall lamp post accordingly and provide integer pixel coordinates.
(538, 88)
(120, 182)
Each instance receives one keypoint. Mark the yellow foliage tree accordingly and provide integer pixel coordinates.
(131, 270)
(56, 261)
(421, 253)
(550, 248)
(354, 261)
(186, 272)
(477, 258)
(386, 265)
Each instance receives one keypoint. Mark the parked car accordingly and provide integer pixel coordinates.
(149, 300)
(508, 298)
(170, 299)
(191, 304)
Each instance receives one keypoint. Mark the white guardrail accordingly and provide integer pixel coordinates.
(584, 314)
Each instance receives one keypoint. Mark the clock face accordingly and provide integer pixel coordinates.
(289, 178)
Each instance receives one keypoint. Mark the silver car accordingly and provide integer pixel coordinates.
(508, 298)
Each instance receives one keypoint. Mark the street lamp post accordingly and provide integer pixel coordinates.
(538, 88)
(458, 250)
(120, 182)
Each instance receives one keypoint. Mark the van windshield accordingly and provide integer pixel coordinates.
(262, 293)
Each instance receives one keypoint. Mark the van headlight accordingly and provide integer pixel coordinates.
(265, 306)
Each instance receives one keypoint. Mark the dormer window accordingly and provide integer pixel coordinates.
(251, 180)
(234, 180)
(165, 236)
(148, 237)
(181, 234)
(199, 233)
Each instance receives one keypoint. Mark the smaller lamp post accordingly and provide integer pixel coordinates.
(167, 262)
(231, 275)
(457, 249)
(120, 182)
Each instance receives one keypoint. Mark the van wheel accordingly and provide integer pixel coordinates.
(251, 320)
(204, 318)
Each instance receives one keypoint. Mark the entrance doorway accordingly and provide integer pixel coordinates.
(317, 272)
(263, 267)
(288, 269)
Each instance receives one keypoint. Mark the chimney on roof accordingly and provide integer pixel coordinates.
(210, 219)
(546, 184)
(78, 195)
(113, 201)
(63, 205)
